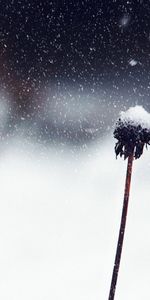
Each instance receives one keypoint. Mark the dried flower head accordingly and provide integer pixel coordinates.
(132, 132)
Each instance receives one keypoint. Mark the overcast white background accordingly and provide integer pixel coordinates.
(59, 220)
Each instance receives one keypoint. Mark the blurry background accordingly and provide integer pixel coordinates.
(67, 68)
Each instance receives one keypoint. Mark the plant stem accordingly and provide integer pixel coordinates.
(122, 229)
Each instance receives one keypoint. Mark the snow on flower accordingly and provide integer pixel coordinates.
(136, 116)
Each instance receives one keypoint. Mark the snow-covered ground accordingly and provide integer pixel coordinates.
(59, 220)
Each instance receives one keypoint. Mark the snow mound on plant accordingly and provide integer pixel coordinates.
(136, 116)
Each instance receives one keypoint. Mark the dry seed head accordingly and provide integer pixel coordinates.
(132, 132)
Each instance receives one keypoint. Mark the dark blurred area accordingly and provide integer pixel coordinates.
(68, 67)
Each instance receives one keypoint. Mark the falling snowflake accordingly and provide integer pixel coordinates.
(132, 62)
(124, 21)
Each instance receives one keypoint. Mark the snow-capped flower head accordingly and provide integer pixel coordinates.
(132, 132)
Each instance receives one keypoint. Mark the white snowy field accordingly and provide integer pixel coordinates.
(59, 220)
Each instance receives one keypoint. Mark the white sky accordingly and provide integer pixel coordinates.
(59, 222)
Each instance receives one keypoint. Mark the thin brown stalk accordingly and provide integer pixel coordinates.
(122, 229)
